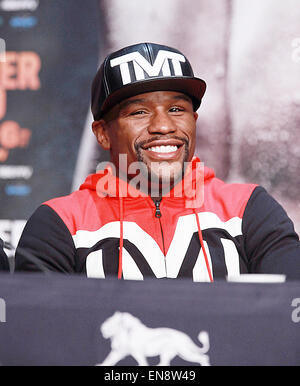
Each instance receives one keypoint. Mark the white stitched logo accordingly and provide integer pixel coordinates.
(141, 65)
(180, 248)
(129, 336)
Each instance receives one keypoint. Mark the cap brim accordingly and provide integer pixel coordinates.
(191, 86)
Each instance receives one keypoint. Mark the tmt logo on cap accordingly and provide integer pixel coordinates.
(142, 66)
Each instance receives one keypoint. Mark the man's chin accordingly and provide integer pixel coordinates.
(165, 175)
(162, 175)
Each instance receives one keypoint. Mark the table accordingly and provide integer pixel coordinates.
(56, 320)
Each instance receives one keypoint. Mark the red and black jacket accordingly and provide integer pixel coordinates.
(232, 229)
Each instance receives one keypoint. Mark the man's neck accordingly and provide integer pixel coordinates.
(155, 189)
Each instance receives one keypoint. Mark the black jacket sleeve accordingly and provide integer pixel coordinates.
(45, 244)
(270, 240)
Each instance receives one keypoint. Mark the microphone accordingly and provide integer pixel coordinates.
(27, 255)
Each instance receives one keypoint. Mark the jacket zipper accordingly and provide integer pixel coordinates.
(157, 209)
(158, 215)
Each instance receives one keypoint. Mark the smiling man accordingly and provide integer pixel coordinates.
(156, 129)
(154, 210)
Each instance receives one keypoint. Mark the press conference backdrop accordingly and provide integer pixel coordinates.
(52, 50)
(248, 52)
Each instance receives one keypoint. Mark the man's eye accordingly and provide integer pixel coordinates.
(176, 109)
(139, 112)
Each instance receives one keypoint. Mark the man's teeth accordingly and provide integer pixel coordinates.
(163, 149)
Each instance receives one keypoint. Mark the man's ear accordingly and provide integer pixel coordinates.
(101, 132)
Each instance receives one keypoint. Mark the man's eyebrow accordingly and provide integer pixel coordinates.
(182, 96)
(129, 102)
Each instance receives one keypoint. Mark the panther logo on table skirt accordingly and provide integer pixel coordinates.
(130, 337)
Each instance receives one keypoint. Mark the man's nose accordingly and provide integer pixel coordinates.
(161, 123)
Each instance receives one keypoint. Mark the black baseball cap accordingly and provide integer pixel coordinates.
(141, 68)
